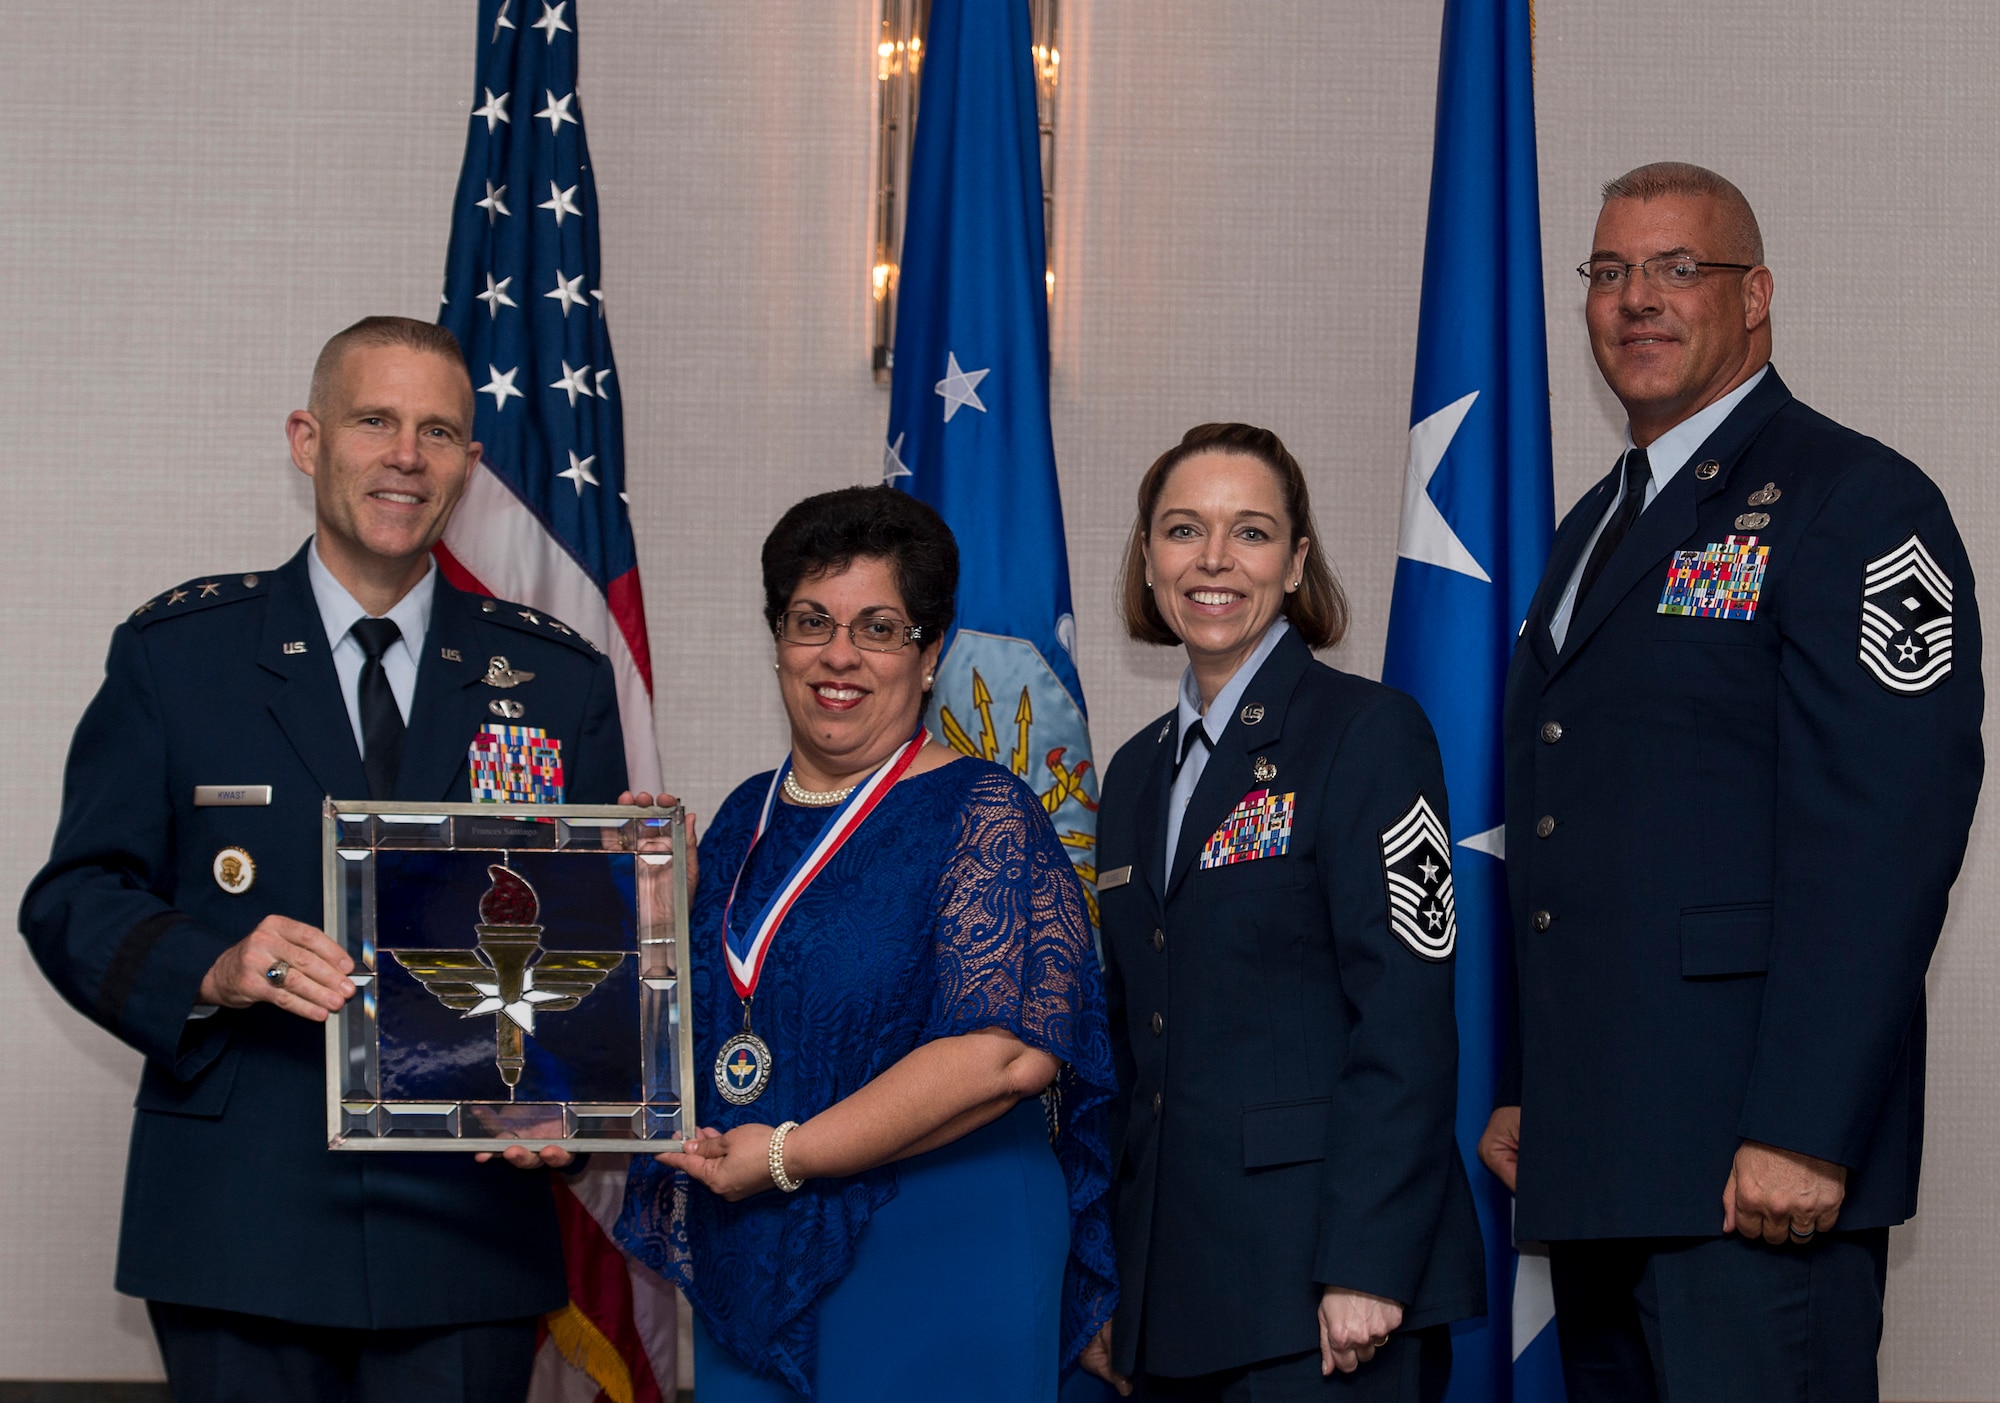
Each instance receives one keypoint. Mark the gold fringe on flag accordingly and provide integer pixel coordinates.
(589, 1352)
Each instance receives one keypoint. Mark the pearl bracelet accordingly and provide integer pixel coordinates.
(777, 1159)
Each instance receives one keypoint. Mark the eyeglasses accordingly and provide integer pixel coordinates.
(1679, 271)
(874, 633)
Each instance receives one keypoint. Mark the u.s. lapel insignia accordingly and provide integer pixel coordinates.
(1765, 495)
(450, 655)
(1263, 771)
(1259, 826)
(1906, 620)
(507, 707)
(1706, 470)
(1251, 714)
(294, 648)
(1416, 865)
(498, 674)
(234, 870)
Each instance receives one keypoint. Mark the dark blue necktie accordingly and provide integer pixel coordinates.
(1638, 472)
(381, 721)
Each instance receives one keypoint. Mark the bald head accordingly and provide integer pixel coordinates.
(1739, 240)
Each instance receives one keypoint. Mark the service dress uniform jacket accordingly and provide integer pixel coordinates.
(1281, 1008)
(1736, 802)
(232, 1199)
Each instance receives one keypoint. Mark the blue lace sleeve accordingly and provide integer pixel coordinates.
(1014, 950)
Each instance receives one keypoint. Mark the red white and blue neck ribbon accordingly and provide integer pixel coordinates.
(746, 958)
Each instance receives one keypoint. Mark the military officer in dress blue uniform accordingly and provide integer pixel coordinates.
(1292, 1216)
(1742, 754)
(179, 910)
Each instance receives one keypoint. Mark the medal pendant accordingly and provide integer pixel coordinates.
(743, 1069)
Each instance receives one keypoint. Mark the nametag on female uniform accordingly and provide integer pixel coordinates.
(516, 765)
(1721, 581)
(1259, 826)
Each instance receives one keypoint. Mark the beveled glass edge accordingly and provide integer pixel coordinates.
(333, 808)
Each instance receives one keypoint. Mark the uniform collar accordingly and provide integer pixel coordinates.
(1189, 714)
(338, 609)
(1668, 454)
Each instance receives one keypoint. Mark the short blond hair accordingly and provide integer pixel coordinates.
(428, 337)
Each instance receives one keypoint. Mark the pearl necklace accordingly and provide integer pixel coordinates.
(814, 798)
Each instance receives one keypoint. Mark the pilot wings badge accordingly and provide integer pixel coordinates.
(501, 975)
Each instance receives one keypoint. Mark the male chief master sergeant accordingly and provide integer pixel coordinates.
(179, 911)
(1742, 753)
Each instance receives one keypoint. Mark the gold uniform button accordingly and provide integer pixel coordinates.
(1543, 920)
(1545, 825)
(1552, 731)
(1159, 1025)
(1159, 938)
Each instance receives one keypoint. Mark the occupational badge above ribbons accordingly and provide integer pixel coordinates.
(520, 971)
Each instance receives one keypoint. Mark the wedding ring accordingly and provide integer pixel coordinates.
(277, 972)
(1805, 1236)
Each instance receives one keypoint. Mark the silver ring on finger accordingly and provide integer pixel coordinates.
(277, 972)
(1377, 1341)
(1804, 1234)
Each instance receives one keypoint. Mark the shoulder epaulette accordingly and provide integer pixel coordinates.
(202, 592)
(520, 616)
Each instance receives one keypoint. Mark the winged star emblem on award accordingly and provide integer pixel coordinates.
(501, 977)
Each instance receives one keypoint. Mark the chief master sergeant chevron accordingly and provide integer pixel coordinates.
(1742, 754)
(179, 906)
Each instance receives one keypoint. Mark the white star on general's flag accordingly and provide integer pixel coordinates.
(561, 202)
(500, 21)
(574, 382)
(959, 387)
(892, 462)
(1426, 536)
(580, 471)
(495, 110)
(557, 111)
(495, 297)
(500, 386)
(602, 376)
(495, 203)
(552, 20)
(568, 291)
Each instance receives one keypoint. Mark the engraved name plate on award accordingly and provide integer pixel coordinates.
(519, 970)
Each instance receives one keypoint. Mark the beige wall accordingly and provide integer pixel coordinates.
(194, 199)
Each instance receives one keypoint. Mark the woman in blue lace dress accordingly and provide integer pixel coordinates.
(898, 1187)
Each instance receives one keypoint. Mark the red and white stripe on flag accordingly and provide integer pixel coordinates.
(495, 545)
(618, 1339)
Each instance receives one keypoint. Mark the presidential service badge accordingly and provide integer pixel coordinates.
(1906, 620)
(1416, 865)
(234, 871)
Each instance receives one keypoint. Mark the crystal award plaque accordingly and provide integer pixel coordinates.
(519, 971)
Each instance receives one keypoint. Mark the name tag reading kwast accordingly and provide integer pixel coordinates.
(1115, 877)
(231, 796)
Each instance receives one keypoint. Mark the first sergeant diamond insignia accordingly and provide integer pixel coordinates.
(1906, 620)
(1416, 865)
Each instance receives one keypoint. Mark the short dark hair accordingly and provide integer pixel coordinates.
(428, 337)
(825, 534)
(1317, 608)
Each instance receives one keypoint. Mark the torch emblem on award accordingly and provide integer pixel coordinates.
(501, 975)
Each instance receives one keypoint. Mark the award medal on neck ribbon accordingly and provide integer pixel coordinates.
(743, 1066)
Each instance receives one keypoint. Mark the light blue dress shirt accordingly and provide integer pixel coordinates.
(338, 611)
(1212, 723)
(1666, 455)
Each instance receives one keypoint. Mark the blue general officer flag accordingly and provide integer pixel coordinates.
(1478, 514)
(545, 520)
(969, 411)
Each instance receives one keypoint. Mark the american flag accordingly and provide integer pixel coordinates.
(546, 519)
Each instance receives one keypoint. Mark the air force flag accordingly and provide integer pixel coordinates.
(1478, 514)
(969, 412)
